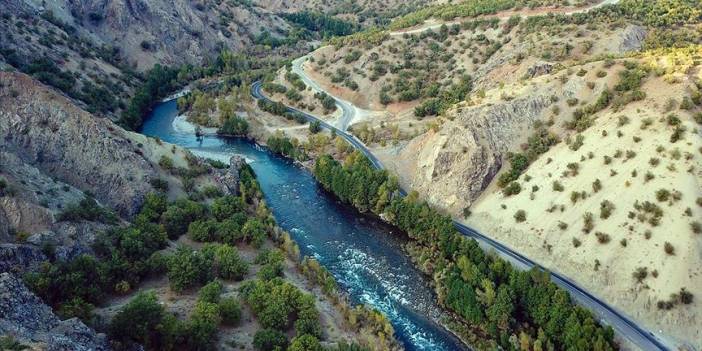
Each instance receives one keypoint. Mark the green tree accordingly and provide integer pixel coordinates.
(305, 343)
(229, 311)
(203, 325)
(269, 340)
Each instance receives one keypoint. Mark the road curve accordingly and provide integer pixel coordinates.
(607, 314)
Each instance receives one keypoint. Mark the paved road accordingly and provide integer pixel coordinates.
(348, 109)
(624, 326)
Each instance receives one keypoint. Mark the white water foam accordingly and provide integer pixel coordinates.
(218, 156)
(183, 126)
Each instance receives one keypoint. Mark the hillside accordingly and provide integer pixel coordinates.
(486, 116)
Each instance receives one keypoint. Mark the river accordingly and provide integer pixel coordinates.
(364, 254)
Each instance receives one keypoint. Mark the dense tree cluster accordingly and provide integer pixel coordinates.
(158, 82)
(487, 292)
(234, 126)
(280, 305)
(281, 144)
(443, 99)
(356, 182)
(326, 25)
(124, 256)
(87, 209)
(328, 102)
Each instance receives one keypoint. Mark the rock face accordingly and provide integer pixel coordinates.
(24, 316)
(42, 128)
(452, 166)
(19, 258)
(632, 38)
(229, 181)
(146, 32)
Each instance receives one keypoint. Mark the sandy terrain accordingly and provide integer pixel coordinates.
(606, 268)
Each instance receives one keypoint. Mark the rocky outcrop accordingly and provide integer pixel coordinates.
(24, 316)
(453, 166)
(42, 128)
(20, 258)
(229, 181)
(632, 38)
(539, 68)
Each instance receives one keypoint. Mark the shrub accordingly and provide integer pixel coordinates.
(234, 126)
(574, 167)
(203, 231)
(685, 296)
(596, 185)
(576, 242)
(520, 216)
(589, 222)
(602, 238)
(8, 342)
(606, 208)
(696, 227)
(188, 268)
(305, 343)
(578, 143)
(512, 189)
(166, 163)
(669, 248)
(640, 274)
(315, 127)
(159, 184)
(562, 225)
(557, 186)
(662, 195)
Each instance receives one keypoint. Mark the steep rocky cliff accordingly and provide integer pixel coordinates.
(44, 129)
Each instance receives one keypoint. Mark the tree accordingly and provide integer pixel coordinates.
(255, 232)
(187, 268)
(203, 326)
(227, 264)
(305, 343)
(203, 230)
(269, 340)
(144, 321)
(315, 127)
(210, 292)
(229, 311)
(226, 206)
(234, 126)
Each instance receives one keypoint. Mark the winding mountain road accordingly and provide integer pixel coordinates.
(623, 325)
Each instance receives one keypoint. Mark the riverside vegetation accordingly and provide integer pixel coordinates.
(495, 303)
(126, 256)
